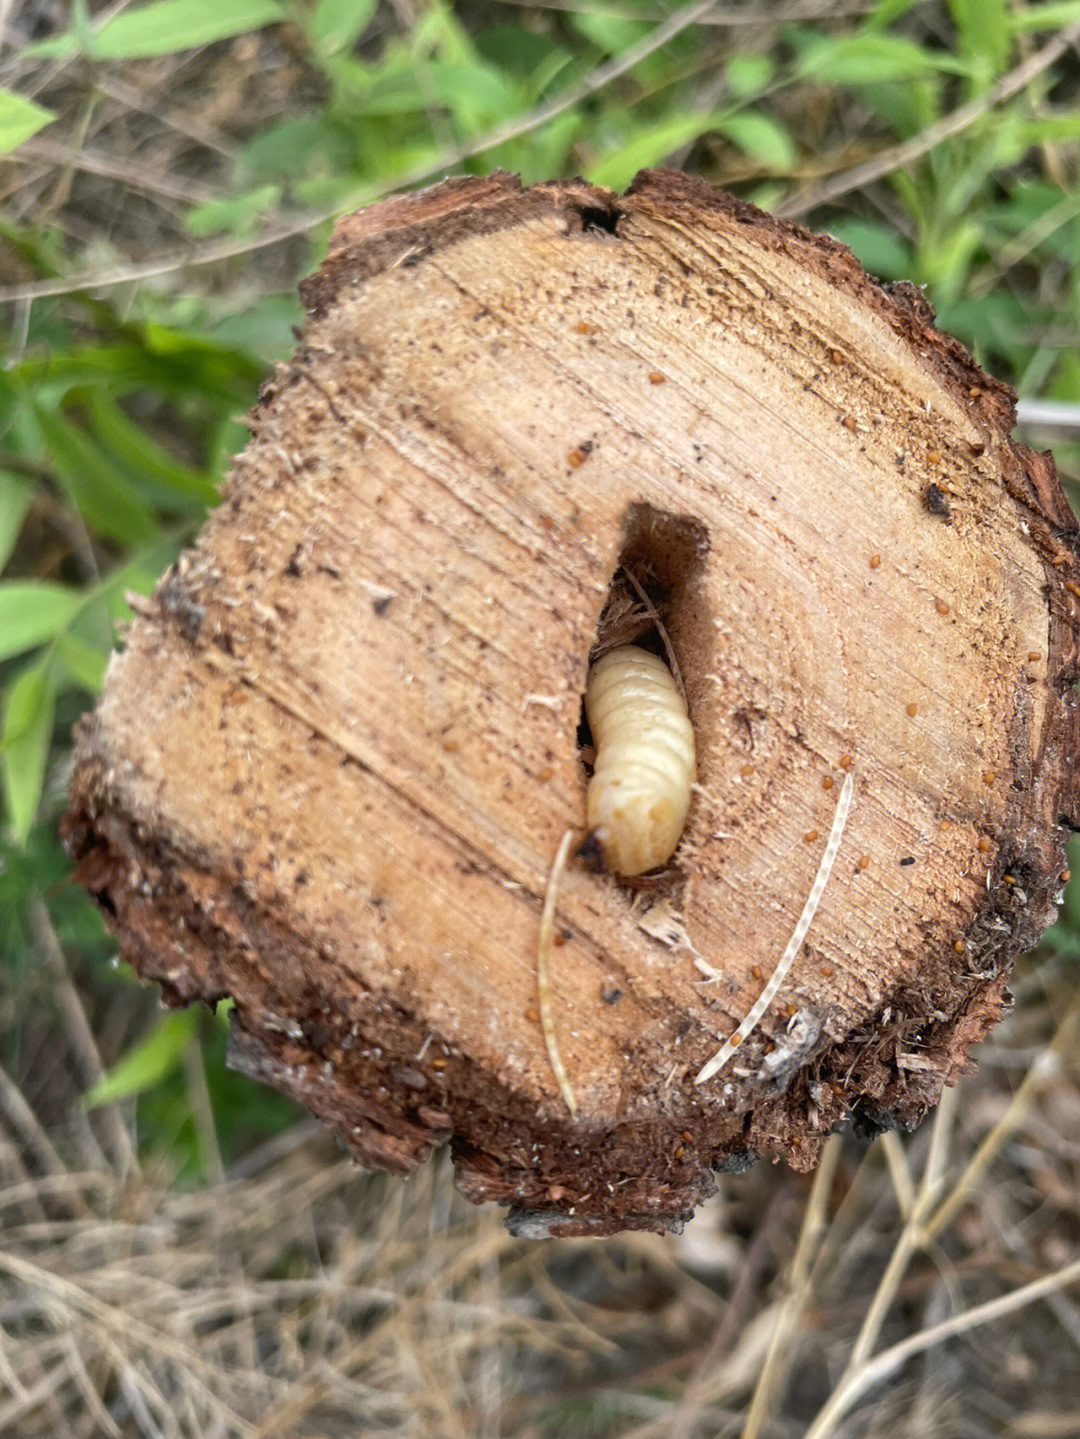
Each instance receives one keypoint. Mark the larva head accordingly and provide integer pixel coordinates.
(633, 829)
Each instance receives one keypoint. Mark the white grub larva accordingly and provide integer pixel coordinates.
(639, 794)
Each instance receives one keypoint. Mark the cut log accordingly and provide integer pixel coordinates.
(335, 758)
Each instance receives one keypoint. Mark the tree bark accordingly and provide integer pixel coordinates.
(334, 760)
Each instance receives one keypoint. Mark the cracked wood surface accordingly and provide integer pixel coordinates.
(333, 761)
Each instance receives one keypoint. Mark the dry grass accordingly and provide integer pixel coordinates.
(918, 1286)
(300, 1297)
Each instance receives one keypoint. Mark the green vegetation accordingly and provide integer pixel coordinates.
(172, 171)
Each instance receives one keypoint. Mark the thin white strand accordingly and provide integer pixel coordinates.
(776, 979)
(543, 971)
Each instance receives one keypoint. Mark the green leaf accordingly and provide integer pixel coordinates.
(239, 214)
(870, 58)
(748, 75)
(982, 28)
(886, 11)
(611, 34)
(121, 368)
(161, 28)
(437, 32)
(534, 61)
(16, 492)
(906, 109)
(194, 365)
(148, 1062)
(265, 329)
(299, 146)
(96, 486)
(878, 248)
(649, 144)
(24, 745)
(1050, 16)
(334, 24)
(176, 363)
(394, 91)
(945, 261)
(33, 611)
(475, 95)
(84, 663)
(131, 447)
(761, 137)
(19, 119)
(992, 323)
(1053, 129)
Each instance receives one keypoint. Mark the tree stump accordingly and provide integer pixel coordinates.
(334, 760)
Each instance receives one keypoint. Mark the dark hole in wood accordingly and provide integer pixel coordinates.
(660, 559)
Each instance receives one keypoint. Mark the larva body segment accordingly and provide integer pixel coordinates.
(639, 794)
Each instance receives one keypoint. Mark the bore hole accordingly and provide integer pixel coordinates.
(593, 217)
(653, 589)
(654, 603)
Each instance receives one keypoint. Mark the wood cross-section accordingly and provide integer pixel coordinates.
(335, 758)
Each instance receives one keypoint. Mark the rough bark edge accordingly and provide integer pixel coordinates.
(406, 229)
